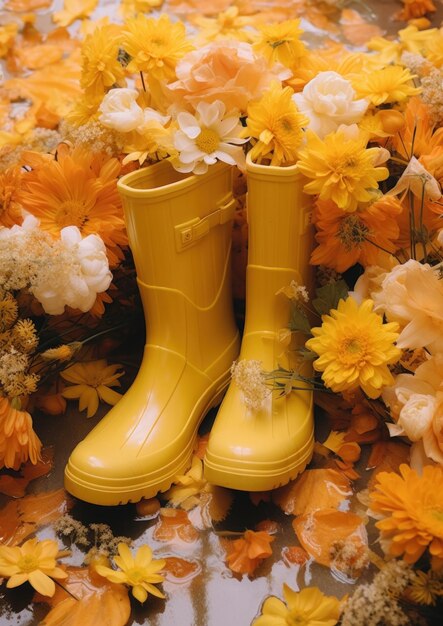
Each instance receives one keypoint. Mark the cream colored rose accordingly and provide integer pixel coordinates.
(416, 415)
(418, 180)
(328, 100)
(120, 111)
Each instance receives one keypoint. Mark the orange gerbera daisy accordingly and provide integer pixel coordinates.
(18, 441)
(10, 209)
(412, 510)
(346, 238)
(415, 8)
(78, 189)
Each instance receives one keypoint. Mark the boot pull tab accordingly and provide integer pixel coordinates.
(188, 233)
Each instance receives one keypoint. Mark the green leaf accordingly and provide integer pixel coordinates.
(329, 296)
(299, 321)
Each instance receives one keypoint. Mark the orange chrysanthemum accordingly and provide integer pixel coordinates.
(412, 510)
(415, 8)
(18, 441)
(78, 189)
(10, 209)
(345, 238)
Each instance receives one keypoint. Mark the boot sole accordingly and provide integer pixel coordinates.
(249, 476)
(109, 495)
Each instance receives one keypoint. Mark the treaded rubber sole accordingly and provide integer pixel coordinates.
(250, 476)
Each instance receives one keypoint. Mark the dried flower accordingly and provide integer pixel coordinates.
(250, 378)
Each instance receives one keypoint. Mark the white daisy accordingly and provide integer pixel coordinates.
(206, 137)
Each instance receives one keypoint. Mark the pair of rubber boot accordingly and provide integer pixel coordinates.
(179, 228)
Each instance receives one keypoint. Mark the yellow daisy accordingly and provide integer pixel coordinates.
(155, 45)
(389, 84)
(411, 508)
(33, 562)
(101, 68)
(138, 572)
(308, 607)
(280, 43)
(91, 383)
(275, 127)
(341, 168)
(355, 348)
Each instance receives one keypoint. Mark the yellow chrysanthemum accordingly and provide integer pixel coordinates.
(138, 572)
(280, 43)
(308, 607)
(341, 168)
(33, 562)
(91, 383)
(10, 210)
(425, 588)
(155, 45)
(434, 48)
(101, 68)
(412, 510)
(18, 441)
(8, 311)
(275, 127)
(355, 348)
(389, 84)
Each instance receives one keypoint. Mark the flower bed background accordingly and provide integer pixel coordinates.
(222, 553)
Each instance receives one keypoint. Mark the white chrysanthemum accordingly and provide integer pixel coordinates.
(206, 137)
(85, 271)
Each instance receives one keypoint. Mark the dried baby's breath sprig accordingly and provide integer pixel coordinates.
(250, 378)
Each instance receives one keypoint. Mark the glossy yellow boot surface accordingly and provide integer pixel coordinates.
(258, 450)
(179, 228)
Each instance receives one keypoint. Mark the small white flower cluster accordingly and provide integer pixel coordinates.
(377, 603)
(295, 292)
(70, 271)
(248, 375)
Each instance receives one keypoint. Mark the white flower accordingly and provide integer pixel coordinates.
(207, 137)
(412, 295)
(328, 100)
(416, 415)
(120, 110)
(85, 273)
(152, 119)
(417, 179)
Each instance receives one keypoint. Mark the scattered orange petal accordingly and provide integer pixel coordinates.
(174, 524)
(363, 422)
(346, 468)
(12, 530)
(318, 531)
(350, 452)
(99, 601)
(15, 486)
(148, 507)
(315, 489)
(355, 28)
(27, 5)
(387, 456)
(268, 526)
(294, 555)
(36, 57)
(202, 443)
(180, 568)
(244, 555)
(44, 508)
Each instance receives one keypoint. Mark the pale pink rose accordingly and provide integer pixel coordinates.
(228, 71)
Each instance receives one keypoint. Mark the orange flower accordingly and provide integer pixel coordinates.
(18, 441)
(419, 130)
(415, 8)
(345, 238)
(78, 189)
(411, 508)
(246, 553)
(10, 209)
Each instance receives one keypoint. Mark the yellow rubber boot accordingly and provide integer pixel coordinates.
(179, 228)
(258, 450)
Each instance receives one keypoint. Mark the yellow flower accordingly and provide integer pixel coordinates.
(101, 68)
(308, 607)
(18, 441)
(74, 10)
(33, 562)
(8, 311)
(65, 352)
(155, 45)
(138, 572)
(355, 348)
(275, 126)
(389, 84)
(130, 8)
(280, 43)
(341, 168)
(188, 488)
(411, 507)
(92, 382)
